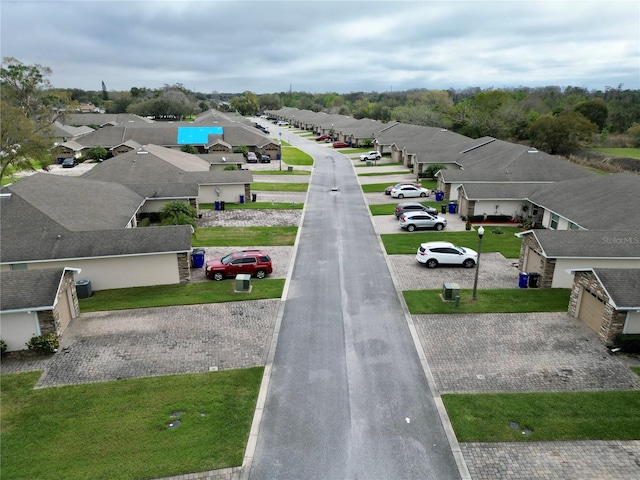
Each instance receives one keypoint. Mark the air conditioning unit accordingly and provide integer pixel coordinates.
(243, 282)
(450, 291)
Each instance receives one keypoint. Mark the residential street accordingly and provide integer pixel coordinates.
(347, 396)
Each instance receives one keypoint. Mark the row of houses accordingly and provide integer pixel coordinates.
(584, 227)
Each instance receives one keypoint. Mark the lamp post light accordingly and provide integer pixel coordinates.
(475, 282)
(280, 153)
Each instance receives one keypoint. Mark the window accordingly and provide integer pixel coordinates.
(554, 221)
(573, 226)
(18, 266)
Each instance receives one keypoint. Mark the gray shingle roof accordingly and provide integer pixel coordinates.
(622, 285)
(24, 289)
(588, 243)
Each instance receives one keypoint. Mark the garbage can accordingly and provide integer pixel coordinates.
(197, 258)
(443, 208)
(534, 279)
(221, 204)
(523, 280)
(439, 195)
(241, 198)
(452, 207)
(217, 205)
(83, 288)
(254, 197)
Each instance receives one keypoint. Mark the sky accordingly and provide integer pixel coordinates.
(326, 46)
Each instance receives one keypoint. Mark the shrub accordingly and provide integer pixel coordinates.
(3, 346)
(44, 343)
(629, 343)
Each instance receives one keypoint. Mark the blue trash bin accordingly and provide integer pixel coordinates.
(217, 204)
(241, 198)
(197, 257)
(439, 195)
(523, 280)
(452, 207)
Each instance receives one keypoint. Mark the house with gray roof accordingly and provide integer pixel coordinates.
(608, 301)
(36, 302)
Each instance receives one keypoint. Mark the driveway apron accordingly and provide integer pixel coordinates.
(347, 397)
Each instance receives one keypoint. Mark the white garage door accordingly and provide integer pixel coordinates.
(591, 310)
(632, 325)
(533, 262)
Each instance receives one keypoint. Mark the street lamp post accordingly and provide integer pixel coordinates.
(280, 154)
(475, 282)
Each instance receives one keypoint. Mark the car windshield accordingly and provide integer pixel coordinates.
(226, 259)
(460, 249)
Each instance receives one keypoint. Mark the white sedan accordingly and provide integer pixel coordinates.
(408, 191)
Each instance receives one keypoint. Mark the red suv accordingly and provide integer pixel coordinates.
(254, 262)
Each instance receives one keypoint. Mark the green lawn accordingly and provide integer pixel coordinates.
(119, 430)
(194, 293)
(279, 187)
(295, 156)
(516, 300)
(285, 171)
(507, 244)
(255, 206)
(619, 152)
(613, 415)
(377, 174)
(235, 236)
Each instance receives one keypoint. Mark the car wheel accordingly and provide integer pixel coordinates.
(468, 263)
(431, 263)
(378, 158)
(411, 228)
(217, 276)
(261, 274)
(439, 226)
(422, 194)
(400, 195)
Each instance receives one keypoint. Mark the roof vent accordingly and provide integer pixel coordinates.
(5, 195)
(532, 150)
(142, 152)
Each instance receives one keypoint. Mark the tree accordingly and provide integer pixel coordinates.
(434, 168)
(189, 149)
(561, 134)
(97, 153)
(178, 213)
(246, 104)
(634, 134)
(595, 111)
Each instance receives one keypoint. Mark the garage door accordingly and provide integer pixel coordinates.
(64, 311)
(591, 310)
(534, 261)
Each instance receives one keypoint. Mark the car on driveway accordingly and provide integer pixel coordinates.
(323, 138)
(265, 159)
(256, 263)
(372, 155)
(411, 221)
(69, 162)
(387, 191)
(340, 145)
(433, 254)
(252, 157)
(414, 207)
(409, 191)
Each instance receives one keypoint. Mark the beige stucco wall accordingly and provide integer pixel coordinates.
(152, 206)
(18, 328)
(562, 279)
(229, 193)
(505, 207)
(121, 272)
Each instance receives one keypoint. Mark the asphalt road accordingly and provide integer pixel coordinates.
(347, 398)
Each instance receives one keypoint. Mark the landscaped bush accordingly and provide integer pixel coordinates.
(44, 344)
(492, 219)
(3, 346)
(629, 343)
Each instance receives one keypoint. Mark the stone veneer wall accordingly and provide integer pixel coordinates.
(612, 320)
(547, 267)
(184, 267)
(49, 320)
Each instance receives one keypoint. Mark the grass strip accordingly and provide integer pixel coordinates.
(233, 236)
(516, 300)
(279, 187)
(286, 171)
(611, 415)
(295, 156)
(119, 430)
(506, 243)
(255, 206)
(179, 294)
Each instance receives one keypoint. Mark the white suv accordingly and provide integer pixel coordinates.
(433, 254)
(372, 155)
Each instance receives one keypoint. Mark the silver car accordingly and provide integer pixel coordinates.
(414, 220)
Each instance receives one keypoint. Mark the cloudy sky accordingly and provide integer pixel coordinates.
(326, 46)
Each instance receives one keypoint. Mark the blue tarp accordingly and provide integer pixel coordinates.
(196, 135)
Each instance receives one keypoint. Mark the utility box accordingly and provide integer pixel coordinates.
(450, 290)
(83, 288)
(243, 282)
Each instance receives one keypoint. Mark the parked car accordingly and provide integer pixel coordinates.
(372, 155)
(411, 221)
(409, 191)
(265, 159)
(252, 157)
(414, 207)
(433, 254)
(323, 138)
(282, 123)
(256, 263)
(69, 162)
(340, 145)
(387, 191)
